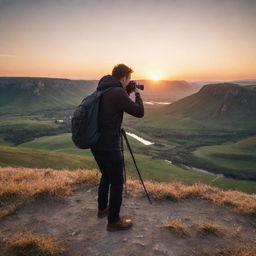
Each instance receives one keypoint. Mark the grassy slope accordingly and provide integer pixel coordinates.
(150, 168)
(27, 95)
(236, 156)
(37, 158)
(18, 129)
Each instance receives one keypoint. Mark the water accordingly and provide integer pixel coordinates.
(199, 170)
(145, 142)
(157, 103)
(204, 171)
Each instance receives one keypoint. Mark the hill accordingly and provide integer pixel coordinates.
(28, 95)
(47, 212)
(217, 114)
(237, 158)
(223, 103)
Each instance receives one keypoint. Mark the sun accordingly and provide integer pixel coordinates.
(155, 77)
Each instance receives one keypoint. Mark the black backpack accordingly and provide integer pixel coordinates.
(84, 123)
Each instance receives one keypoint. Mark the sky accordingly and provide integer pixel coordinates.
(159, 39)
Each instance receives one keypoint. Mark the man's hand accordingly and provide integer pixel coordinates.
(136, 90)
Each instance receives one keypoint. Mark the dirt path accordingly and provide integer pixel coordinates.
(74, 221)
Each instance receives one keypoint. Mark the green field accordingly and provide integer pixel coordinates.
(240, 157)
(18, 129)
(60, 148)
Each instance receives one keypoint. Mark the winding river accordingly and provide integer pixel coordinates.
(147, 143)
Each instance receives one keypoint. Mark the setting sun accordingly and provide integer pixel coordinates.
(155, 77)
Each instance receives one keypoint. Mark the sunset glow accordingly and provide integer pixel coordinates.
(155, 77)
(170, 40)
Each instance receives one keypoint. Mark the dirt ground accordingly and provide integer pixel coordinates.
(74, 221)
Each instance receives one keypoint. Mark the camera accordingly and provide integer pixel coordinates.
(132, 85)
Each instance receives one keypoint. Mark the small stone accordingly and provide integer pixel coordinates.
(125, 239)
(75, 233)
(139, 243)
(139, 236)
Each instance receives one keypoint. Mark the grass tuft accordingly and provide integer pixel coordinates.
(30, 244)
(210, 228)
(240, 250)
(176, 227)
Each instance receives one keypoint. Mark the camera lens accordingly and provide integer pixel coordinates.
(140, 86)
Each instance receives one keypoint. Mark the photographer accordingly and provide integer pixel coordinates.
(107, 151)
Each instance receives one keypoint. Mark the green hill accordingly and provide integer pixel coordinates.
(28, 95)
(237, 158)
(222, 106)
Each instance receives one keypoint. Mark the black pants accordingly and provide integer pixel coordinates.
(111, 166)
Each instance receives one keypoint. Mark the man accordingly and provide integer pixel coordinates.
(107, 151)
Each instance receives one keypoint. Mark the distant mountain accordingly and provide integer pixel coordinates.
(239, 82)
(245, 82)
(31, 94)
(165, 90)
(224, 104)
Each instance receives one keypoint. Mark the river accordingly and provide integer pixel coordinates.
(147, 143)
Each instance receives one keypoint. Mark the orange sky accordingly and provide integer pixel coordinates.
(165, 39)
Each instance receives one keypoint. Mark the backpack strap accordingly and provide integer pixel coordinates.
(101, 92)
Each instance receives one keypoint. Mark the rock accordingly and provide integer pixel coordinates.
(139, 243)
(75, 233)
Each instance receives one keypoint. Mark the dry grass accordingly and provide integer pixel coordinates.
(240, 201)
(209, 228)
(240, 250)
(175, 226)
(17, 185)
(20, 184)
(29, 244)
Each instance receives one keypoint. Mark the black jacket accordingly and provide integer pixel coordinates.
(112, 106)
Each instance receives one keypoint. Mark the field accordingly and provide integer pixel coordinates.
(232, 156)
(61, 153)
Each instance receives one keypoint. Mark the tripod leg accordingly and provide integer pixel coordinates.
(129, 147)
(122, 150)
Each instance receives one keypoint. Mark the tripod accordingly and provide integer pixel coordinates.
(123, 134)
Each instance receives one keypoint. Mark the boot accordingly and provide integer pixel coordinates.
(122, 224)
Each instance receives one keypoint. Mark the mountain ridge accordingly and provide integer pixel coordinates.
(226, 102)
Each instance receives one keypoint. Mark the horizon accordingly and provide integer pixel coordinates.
(199, 40)
(148, 79)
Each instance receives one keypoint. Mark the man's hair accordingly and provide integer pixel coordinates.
(121, 70)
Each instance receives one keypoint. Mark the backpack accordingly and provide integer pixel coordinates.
(84, 123)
